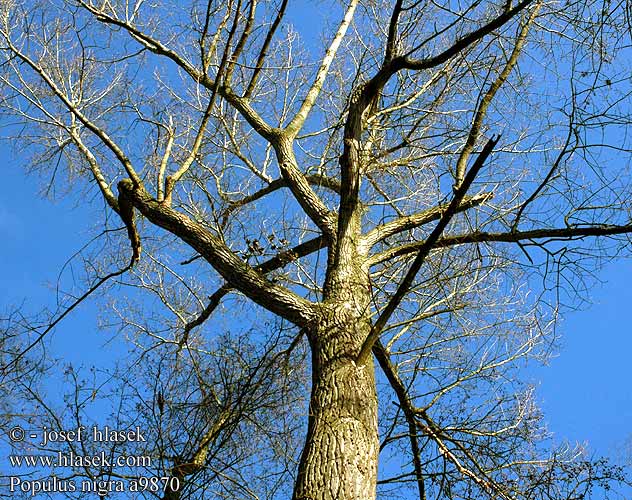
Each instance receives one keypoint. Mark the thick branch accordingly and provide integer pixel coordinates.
(276, 262)
(407, 281)
(126, 212)
(297, 122)
(419, 219)
(554, 234)
(306, 197)
(235, 271)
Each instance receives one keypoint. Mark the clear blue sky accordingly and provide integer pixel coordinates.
(585, 392)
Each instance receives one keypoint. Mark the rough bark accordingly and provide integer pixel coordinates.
(339, 461)
(237, 273)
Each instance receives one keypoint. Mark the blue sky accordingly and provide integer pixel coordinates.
(585, 392)
(38, 237)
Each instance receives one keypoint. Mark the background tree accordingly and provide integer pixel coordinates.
(391, 196)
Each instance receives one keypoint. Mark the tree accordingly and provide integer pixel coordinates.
(389, 197)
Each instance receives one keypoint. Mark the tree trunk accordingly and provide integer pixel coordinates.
(339, 461)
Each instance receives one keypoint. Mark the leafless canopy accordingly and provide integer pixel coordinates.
(424, 188)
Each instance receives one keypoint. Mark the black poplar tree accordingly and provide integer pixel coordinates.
(411, 202)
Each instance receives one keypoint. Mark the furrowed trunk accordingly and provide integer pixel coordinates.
(339, 461)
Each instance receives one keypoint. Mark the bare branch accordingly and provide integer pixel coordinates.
(264, 49)
(390, 371)
(484, 103)
(296, 124)
(406, 223)
(278, 261)
(157, 47)
(160, 191)
(275, 185)
(462, 43)
(235, 271)
(307, 198)
(429, 244)
(104, 186)
(555, 234)
(90, 125)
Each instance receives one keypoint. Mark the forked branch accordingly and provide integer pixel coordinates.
(237, 273)
(423, 252)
